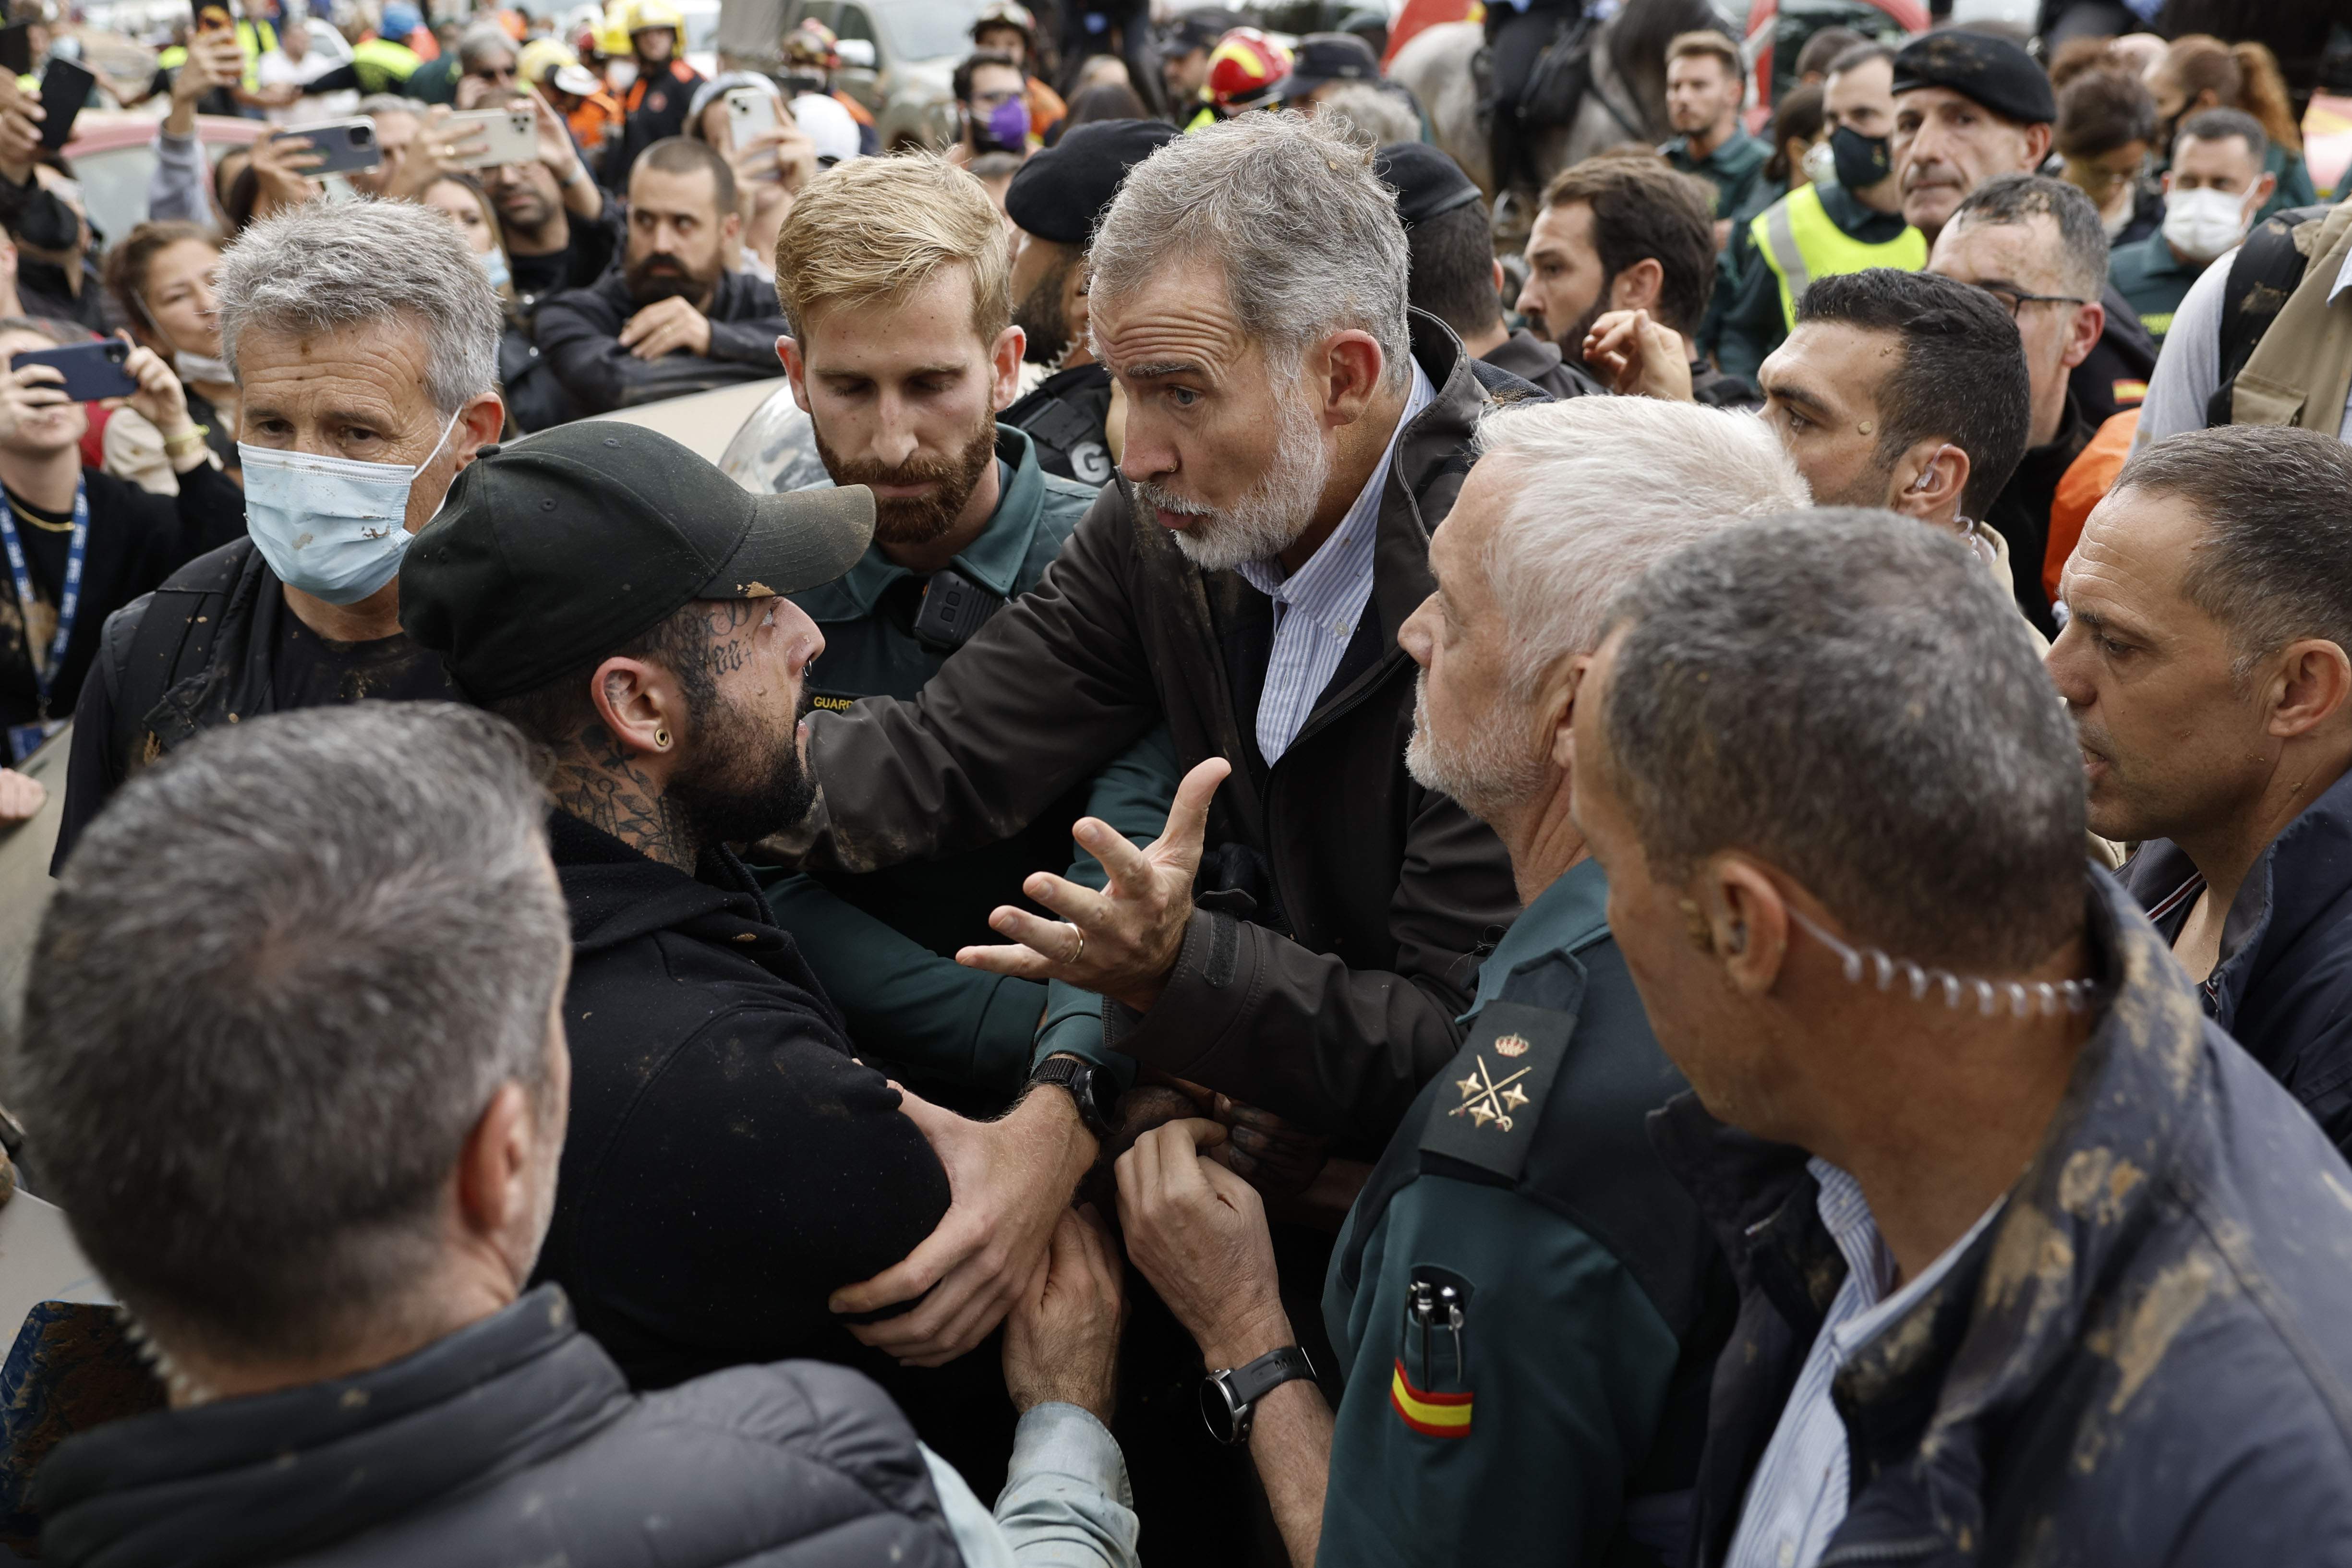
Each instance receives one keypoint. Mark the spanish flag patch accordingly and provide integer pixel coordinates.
(1430, 1415)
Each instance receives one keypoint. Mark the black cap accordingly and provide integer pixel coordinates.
(1198, 30)
(1994, 72)
(554, 550)
(1325, 58)
(1060, 193)
(1428, 183)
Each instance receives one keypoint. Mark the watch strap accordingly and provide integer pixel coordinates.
(1076, 1076)
(1269, 1372)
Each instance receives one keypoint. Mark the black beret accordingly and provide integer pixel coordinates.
(1322, 58)
(1993, 71)
(1060, 194)
(1198, 31)
(1428, 183)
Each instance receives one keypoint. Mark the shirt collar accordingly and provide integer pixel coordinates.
(1566, 917)
(1348, 550)
(993, 560)
(1846, 1214)
(2343, 281)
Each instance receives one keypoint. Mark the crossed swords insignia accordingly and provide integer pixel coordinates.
(1485, 1098)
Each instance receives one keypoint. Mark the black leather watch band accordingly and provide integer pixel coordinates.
(1229, 1398)
(1085, 1084)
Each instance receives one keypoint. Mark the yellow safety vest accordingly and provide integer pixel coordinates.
(1800, 242)
(257, 39)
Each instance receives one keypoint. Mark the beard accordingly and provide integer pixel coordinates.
(1270, 517)
(1040, 315)
(1571, 342)
(745, 780)
(1485, 776)
(662, 276)
(918, 520)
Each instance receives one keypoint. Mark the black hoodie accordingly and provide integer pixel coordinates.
(729, 1164)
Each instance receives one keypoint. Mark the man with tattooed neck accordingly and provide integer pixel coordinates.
(729, 1161)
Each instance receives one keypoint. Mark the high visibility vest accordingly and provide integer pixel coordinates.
(256, 38)
(382, 65)
(171, 59)
(1800, 242)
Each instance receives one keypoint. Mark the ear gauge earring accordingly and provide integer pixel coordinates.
(661, 739)
(1737, 941)
(1701, 934)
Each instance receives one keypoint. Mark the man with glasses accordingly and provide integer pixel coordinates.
(484, 60)
(2036, 246)
(990, 94)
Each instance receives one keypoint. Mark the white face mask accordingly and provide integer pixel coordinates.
(333, 527)
(2201, 224)
(621, 75)
(201, 367)
(1820, 164)
(494, 263)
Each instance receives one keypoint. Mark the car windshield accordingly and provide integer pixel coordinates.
(928, 30)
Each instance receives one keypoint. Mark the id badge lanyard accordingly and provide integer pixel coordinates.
(24, 740)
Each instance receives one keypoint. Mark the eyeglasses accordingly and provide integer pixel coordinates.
(2016, 300)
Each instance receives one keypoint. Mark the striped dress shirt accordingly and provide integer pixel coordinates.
(1315, 608)
(1797, 1498)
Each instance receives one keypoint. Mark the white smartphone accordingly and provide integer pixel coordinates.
(509, 135)
(750, 112)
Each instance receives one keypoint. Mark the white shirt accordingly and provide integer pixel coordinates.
(1797, 1498)
(1315, 608)
(1065, 1503)
(2189, 367)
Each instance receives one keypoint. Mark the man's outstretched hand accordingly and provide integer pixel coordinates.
(1638, 356)
(1009, 1183)
(1123, 941)
(1061, 1342)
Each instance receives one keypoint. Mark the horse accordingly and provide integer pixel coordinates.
(1627, 100)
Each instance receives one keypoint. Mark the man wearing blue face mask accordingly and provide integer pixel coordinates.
(363, 339)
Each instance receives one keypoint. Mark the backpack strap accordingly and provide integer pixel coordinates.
(2267, 269)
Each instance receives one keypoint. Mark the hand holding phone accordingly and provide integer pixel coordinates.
(86, 373)
(337, 147)
(65, 87)
(750, 112)
(486, 138)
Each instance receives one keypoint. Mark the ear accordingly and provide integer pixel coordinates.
(730, 227)
(2167, 182)
(1928, 481)
(1555, 708)
(480, 422)
(1005, 366)
(1351, 370)
(2313, 682)
(789, 351)
(642, 708)
(1749, 921)
(1076, 310)
(2090, 320)
(2037, 145)
(495, 1165)
(1638, 286)
(1500, 280)
(2264, 188)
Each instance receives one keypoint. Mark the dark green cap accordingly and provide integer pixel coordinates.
(553, 551)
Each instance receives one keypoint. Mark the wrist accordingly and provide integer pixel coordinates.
(1265, 1328)
(179, 432)
(1049, 1112)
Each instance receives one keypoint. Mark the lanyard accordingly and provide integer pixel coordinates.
(45, 676)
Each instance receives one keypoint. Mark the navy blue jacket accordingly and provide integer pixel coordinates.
(2283, 987)
(2146, 1358)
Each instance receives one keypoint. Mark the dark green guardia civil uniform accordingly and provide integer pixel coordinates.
(1733, 169)
(2148, 273)
(883, 943)
(1559, 1418)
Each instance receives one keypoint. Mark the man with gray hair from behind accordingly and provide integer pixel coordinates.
(364, 341)
(296, 1072)
(1291, 441)
(2034, 1264)
(1525, 1304)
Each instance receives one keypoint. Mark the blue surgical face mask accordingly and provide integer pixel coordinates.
(332, 527)
(494, 263)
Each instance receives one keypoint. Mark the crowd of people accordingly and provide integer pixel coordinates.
(1259, 879)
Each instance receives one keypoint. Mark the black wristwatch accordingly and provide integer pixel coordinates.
(1229, 1398)
(1088, 1084)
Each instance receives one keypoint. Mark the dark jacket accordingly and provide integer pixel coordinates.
(1564, 1424)
(2114, 375)
(728, 1165)
(1342, 908)
(1537, 360)
(2020, 513)
(2144, 1358)
(196, 653)
(656, 105)
(579, 333)
(2283, 987)
(136, 540)
(513, 1440)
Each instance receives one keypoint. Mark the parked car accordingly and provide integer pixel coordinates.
(113, 156)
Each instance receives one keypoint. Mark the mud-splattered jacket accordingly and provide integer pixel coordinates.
(2146, 1359)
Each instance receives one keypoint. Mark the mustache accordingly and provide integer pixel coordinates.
(914, 471)
(1168, 500)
